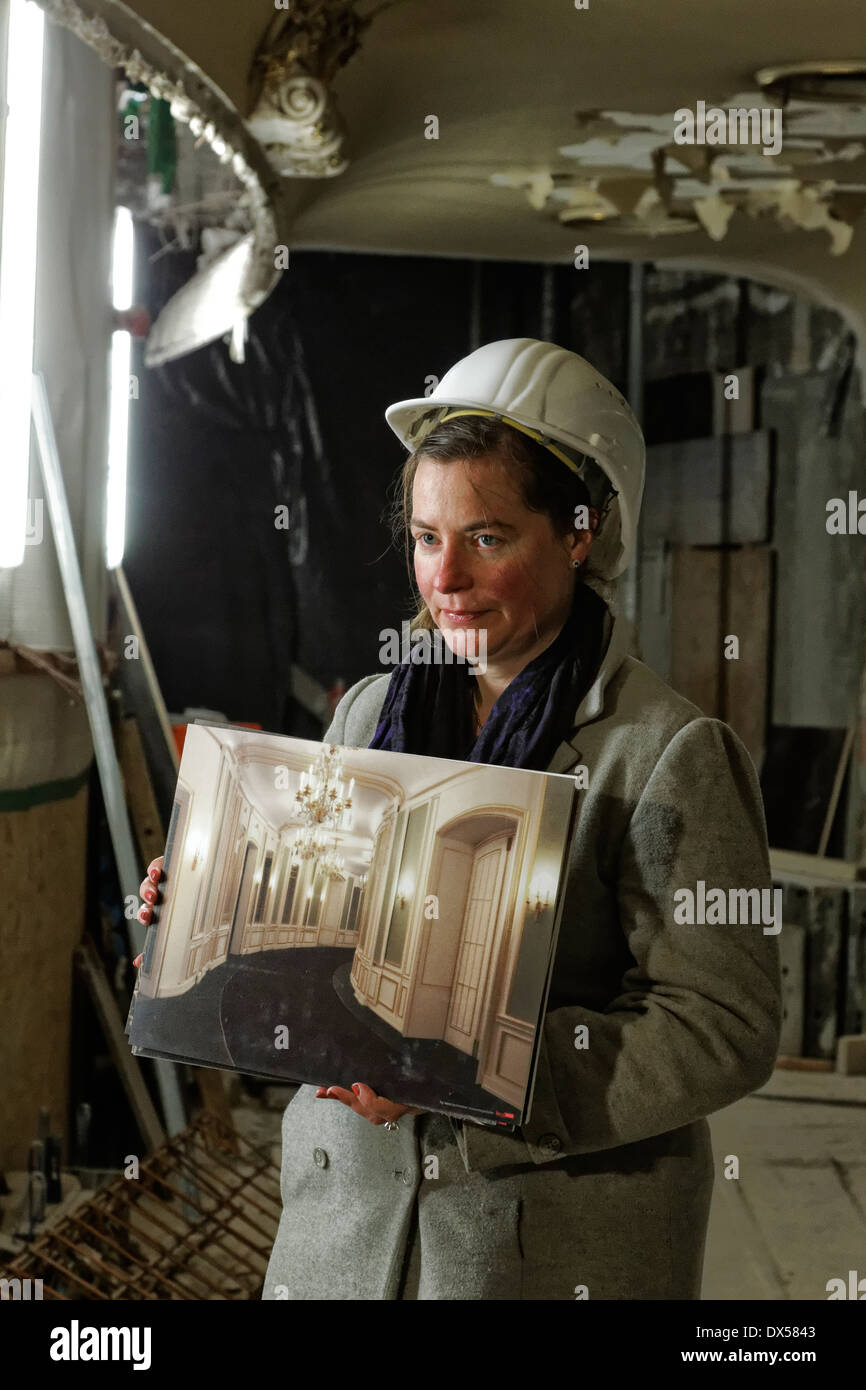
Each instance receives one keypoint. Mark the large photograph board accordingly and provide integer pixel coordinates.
(333, 915)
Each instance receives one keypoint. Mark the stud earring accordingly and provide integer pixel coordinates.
(575, 564)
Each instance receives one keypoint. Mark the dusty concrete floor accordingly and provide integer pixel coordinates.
(796, 1215)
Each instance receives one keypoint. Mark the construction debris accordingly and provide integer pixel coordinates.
(194, 1220)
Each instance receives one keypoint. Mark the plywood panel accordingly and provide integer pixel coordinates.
(654, 610)
(716, 594)
(149, 829)
(821, 599)
(708, 491)
(746, 689)
(696, 628)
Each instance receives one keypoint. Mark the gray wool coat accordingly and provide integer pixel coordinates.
(605, 1192)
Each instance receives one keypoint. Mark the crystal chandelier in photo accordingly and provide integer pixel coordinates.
(309, 843)
(333, 864)
(323, 804)
(322, 800)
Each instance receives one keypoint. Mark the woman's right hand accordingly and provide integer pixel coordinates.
(149, 890)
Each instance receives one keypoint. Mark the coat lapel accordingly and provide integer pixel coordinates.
(567, 754)
(565, 758)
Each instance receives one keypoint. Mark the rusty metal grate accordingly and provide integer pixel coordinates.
(198, 1223)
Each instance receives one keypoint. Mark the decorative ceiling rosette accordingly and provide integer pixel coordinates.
(295, 115)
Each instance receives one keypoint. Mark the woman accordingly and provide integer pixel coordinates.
(521, 495)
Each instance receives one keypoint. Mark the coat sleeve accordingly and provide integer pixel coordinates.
(695, 1025)
(343, 727)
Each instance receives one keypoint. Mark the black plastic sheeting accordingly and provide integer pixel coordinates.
(227, 601)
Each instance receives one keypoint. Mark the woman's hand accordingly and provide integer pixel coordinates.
(364, 1101)
(149, 890)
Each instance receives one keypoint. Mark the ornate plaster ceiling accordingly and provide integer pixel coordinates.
(555, 127)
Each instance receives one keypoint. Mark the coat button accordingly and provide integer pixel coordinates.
(406, 1175)
(550, 1143)
(320, 1158)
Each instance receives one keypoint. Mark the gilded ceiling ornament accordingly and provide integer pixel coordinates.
(294, 114)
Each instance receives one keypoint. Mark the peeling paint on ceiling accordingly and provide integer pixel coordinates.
(638, 176)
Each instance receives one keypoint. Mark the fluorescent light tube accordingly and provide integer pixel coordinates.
(118, 416)
(18, 228)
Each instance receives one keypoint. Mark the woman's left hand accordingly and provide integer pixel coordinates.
(364, 1101)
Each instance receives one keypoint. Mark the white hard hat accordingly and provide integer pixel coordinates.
(560, 400)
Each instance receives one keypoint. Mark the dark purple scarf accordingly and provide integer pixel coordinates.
(428, 708)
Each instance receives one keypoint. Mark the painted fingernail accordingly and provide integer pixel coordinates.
(150, 895)
(357, 1089)
(154, 874)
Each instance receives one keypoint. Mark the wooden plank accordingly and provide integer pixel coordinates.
(798, 1063)
(143, 697)
(143, 1109)
(716, 594)
(820, 596)
(157, 701)
(851, 1054)
(816, 1089)
(747, 576)
(696, 627)
(211, 1085)
(806, 868)
(836, 789)
(144, 811)
(654, 610)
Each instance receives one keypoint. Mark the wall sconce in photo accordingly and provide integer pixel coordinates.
(539, 897)
(199, 850)
(404, 891)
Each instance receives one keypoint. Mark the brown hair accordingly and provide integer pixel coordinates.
(544, 482)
